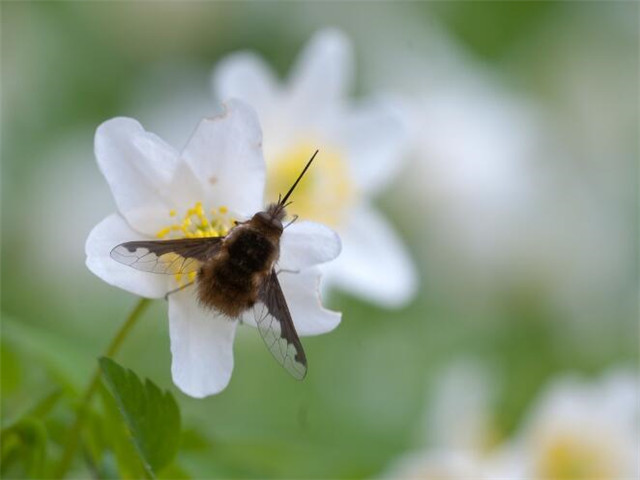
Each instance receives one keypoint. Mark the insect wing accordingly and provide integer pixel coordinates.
(276, 328)
(167, 256)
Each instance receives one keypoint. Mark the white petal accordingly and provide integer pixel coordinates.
(322, 73)
(145, 174)
(225, 153)
(201, 346)
(246, 76)
(375, 139)
(110, 232)
(304, 244)
(374, 263)
(302, 293)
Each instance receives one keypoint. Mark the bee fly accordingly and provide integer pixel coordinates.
(235, 273)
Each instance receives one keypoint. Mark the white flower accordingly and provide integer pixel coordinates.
(161, 193)
(474, 144)
(582, 430)
(458, 428)
(360, 151)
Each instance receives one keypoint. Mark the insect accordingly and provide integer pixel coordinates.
(235, 273)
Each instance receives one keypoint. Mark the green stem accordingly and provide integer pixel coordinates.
(112, 349)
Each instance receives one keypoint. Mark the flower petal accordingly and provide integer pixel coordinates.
(322, 73)
(225, 153)
(373, 262)
(302, 293)
(110, 232)
(246, 76)
(304, 244)
(375, 139)
(145, 174)
(201, 346)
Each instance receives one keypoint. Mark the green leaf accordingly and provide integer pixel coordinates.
(111, 430)
(152, 417)
(23, 450)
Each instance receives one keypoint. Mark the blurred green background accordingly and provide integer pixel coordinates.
(68, 66)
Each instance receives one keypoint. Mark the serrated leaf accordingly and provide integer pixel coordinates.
(152, 417)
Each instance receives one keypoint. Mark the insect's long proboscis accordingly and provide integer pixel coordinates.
(283, 202)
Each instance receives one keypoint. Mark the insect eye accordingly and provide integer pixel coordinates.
(263, 217)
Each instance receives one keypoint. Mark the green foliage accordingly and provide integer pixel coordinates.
(10, 368)
(151, 416)
(42, 346)
(24, 445)
(110, 430)
(43, 407)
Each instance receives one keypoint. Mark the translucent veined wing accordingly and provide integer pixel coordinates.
(167, 256)
(276, 327)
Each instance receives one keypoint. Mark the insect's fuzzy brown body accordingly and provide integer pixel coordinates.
(230, 282)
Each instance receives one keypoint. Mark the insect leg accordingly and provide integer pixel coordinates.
(283, 270)
(295, 217)
(176, 290)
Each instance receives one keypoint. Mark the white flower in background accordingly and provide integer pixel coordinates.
(582, 430)
(459, 416)
(162, 193)
(578, 430)
(520, 187)
(474, 144)
(360, 152)
(458, 430)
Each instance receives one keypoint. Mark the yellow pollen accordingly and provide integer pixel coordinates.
(196, 224)
(324, 193)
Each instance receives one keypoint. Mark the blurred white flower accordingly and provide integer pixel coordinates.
(582, 430)
(474, 144)
(218, 178)
(360, 147)
(457, 430)
(529, 188)
(577, 430)
(459, 416)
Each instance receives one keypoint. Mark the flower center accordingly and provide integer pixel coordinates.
(326, 190)
(568, 457)
(196, 223)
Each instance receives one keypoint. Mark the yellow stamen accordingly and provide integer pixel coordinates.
(164, 232)
(196, 224)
